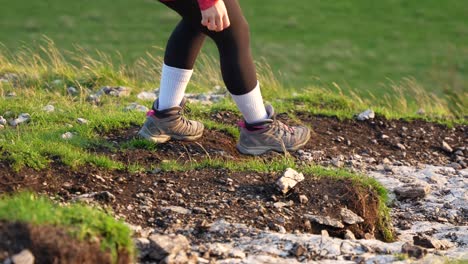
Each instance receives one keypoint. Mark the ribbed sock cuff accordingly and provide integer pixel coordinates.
(251, 105)
(173, 84)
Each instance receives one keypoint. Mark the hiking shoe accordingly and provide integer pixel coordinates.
(271, 134)
(161, 126)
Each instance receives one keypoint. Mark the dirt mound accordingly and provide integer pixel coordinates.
(50, 244)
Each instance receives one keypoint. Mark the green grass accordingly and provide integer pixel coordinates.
(83, 223)
(362, 46)
(41, 81)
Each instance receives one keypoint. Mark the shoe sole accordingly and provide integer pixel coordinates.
(263, 149)
(165, 138)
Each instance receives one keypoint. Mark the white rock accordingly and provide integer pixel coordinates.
(446, 147)
(349, 217)
(48, 108)
(177, 209)
(289, 179)
(324, 220)
(303, 199)
(22, 118)
(2, 126)
(118, 91)
(72, 90)
(93, 98)
(2, 121)
(57, 82)
(163, 245)
(67, 135)
(24, 257)
(368, 114)
(136, 107)
(148, 96)
(82, 121)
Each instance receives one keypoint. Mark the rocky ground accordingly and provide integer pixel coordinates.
(221, 216)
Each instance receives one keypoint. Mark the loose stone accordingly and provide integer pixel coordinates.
(324, 220)
(289, 179)
(136, 107)
(430, 242)
(446, 147)
(2, 121)
(22, 118)
(162, 246)
(413, 251)
(349, 235)
(119, 91)
(72, 90)
(148, 96)
(24, 257)
(303, 199)
(368, 114)
(67, 135)
(48, 108)
(412, 191)
(82, 121)
(177, 209)
(349, 217)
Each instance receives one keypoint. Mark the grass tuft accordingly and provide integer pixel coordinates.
(83, 223)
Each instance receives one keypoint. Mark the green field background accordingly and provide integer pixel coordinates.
(362, 45)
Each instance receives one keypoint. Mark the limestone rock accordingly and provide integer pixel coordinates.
(349, 235)
(67, 135)
(412, 191)
(48, 108)
(349, 217)
(22, 118)
(82, 121)
(136, 107)
(413, 251)
(162, 246)
(446, 147)
(303, 199)
(289, 179)
(118, 91)
(72, 90)
(368, 114)
(324, 220)
(177, 209)
(2, 121)
(148, 96)
(430, 242)
(24, 257)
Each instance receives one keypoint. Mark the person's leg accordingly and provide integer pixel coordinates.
(166, 121)
(181, 52)
(261, 132)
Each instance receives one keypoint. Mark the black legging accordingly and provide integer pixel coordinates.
(233, 44)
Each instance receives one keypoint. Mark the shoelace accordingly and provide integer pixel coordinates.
(283, 127)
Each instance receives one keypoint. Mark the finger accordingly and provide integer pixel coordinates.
(212, 25)
(204, 21)
(226, 22)
(219, 23)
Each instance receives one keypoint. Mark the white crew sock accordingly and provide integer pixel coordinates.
(251, 105)
(172, 87)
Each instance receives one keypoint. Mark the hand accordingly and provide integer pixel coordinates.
(216, 17)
